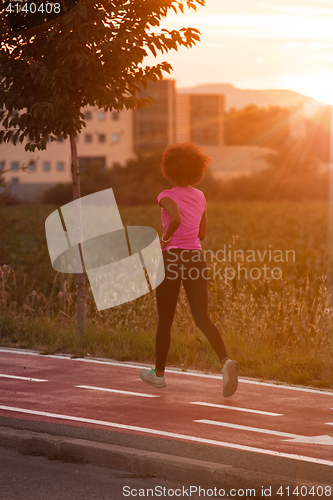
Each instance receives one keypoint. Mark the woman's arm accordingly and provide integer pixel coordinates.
(203, 227)
(175, 218)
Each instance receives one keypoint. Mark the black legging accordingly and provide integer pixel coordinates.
(193, 274)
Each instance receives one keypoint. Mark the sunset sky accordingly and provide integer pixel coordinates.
(264, 44)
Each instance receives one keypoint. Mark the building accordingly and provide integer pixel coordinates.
(114, 137)
(107, 139)
(200, 119)
(154, 126)
(178, 117)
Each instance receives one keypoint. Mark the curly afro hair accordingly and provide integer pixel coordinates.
(184, 163)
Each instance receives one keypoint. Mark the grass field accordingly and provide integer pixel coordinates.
(270, 297)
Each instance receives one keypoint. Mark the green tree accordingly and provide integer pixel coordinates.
(257, 126)
(319, 133)
(294, 156)
(293, 175)
(91, 56)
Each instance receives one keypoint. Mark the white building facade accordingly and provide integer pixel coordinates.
(115, 137)
(107, 139)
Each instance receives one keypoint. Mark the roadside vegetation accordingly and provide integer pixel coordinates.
(278, 326)
(295, 173)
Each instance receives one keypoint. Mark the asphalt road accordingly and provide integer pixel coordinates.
(37, 478)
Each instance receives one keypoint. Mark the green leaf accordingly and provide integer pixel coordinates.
(91, 56)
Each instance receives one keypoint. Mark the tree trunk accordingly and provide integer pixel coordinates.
(80, 279)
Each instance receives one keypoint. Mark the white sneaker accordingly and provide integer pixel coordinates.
(151, 378)
(230, 378)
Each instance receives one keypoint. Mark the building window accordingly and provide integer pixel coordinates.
(60, 139)
(115, 115)
(14, 166)
(115, 138)
(87, 115)
(32, 166)
(101, 115)
(88, 138)
(15, 180)
(101, 138)
(46, 166)
(2, 165)
(60, 166)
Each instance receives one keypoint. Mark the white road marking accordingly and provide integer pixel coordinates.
(23, 378)
(173, 435)
(327, 440)
(190, 373)
(237, 408)
(118, 391)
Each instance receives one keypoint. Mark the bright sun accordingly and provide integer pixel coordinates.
(320, 95)
(316, 85)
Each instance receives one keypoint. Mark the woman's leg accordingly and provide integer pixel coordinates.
(166, 296)
(196, 289)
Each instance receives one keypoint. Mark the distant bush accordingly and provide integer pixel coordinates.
(92, 179)
(58, 195)
(271, 127)
(293, 175)
(139, 182)
(272, 186)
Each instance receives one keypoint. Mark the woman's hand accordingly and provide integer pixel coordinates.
(163, 243)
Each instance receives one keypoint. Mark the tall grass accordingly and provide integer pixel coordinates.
(280, 329)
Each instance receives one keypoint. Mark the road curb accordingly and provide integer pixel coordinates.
(141, 462)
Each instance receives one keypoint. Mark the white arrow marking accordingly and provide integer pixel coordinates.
(118, 391)
(23, 378)
(237, 408)
(328, 440)
(313, 440)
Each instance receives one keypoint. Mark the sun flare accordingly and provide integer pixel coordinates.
(323, 96)
(316, 85)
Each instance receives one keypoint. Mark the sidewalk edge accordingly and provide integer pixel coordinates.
(145, 463)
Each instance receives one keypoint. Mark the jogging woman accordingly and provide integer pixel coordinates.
(184, 222)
